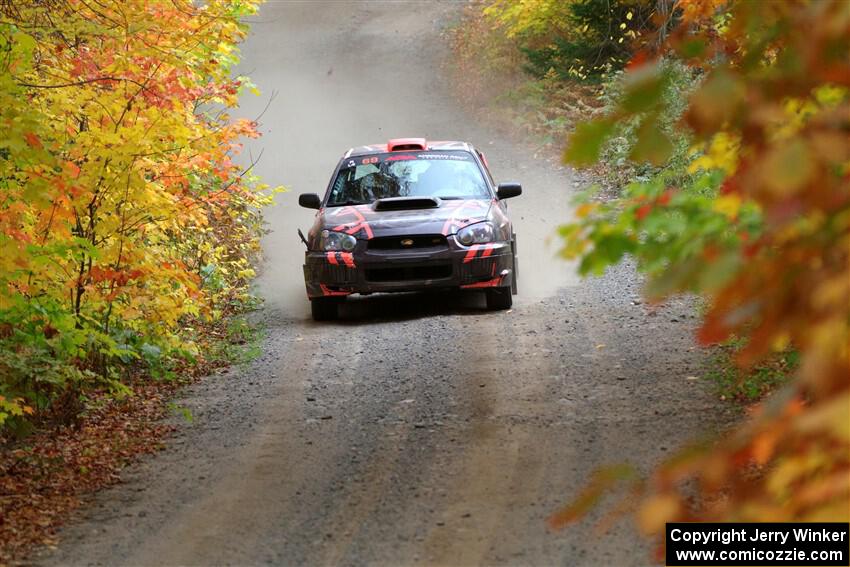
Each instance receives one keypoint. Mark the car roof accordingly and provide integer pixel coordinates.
(407, 144)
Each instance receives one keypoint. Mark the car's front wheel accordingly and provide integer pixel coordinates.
(499, 298)
(324, 308)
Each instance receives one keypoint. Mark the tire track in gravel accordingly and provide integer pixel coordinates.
(483, 485)
(242, 496)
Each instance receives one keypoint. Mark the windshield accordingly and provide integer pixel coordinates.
(448, 175)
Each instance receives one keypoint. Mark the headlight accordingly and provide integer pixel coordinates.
(334, 241)
(476, 234)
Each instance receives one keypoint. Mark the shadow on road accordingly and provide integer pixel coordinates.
(383, 308)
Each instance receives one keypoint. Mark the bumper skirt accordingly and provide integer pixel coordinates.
(329, 274)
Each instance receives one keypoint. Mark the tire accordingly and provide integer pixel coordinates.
(324, 309)
(499, 298)
(515, 269)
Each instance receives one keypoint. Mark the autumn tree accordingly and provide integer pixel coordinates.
(123, 218)
(757, 222)
(575, 39)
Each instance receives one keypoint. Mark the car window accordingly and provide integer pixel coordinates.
(448, 175)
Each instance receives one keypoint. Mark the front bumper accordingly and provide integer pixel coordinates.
(364, 270)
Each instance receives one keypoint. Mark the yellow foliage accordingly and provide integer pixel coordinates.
(728, 205)
(123, 211)
(528, 17)
(656, 511)
(721, 153)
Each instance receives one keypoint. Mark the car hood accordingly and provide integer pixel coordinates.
(364, 221)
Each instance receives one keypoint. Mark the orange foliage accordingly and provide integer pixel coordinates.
(122, 213)
(772, 114)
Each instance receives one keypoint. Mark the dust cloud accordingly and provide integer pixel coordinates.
(321, 100)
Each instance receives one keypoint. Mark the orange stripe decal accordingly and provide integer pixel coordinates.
(332, 258)
(495, 282)
(360, 222)
(348, 258)
(327, 291)
(470, 255)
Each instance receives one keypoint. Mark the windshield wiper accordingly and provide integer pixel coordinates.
(450, 198)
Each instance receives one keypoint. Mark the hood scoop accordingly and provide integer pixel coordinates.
(406, 203)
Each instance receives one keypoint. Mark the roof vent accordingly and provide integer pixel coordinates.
(406, 144)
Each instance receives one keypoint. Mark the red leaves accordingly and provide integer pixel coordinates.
(98, 274)
(710, 253)
(33, 140)
(662, 200)
(719, 101)
(18, 235)
(120, 277)
(44, 480)
(712, 332)
(665, 198)
(639, 59)
(73, 169)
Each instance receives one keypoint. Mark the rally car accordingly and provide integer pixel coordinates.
(410, 215)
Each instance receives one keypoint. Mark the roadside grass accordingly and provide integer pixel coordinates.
(747, 386)
(240, 344)
(47, 474)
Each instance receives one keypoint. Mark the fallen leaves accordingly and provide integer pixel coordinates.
(49, 474)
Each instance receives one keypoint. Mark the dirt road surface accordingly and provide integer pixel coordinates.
(420, 429)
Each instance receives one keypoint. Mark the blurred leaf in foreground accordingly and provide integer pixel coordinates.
(757, 222)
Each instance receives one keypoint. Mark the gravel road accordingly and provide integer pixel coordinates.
(419, 429)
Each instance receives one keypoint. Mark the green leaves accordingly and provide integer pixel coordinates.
(608, 249)
(643, 89)
(667, 232)
(586, 143)
(652, 144)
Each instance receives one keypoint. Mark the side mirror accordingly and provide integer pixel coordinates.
(310, 201)
(508, 190)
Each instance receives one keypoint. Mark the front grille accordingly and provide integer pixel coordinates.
(478, 268)
(330, 274)
(408, 242)
(411, 273)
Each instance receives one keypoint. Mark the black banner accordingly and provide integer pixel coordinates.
(759, 544)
